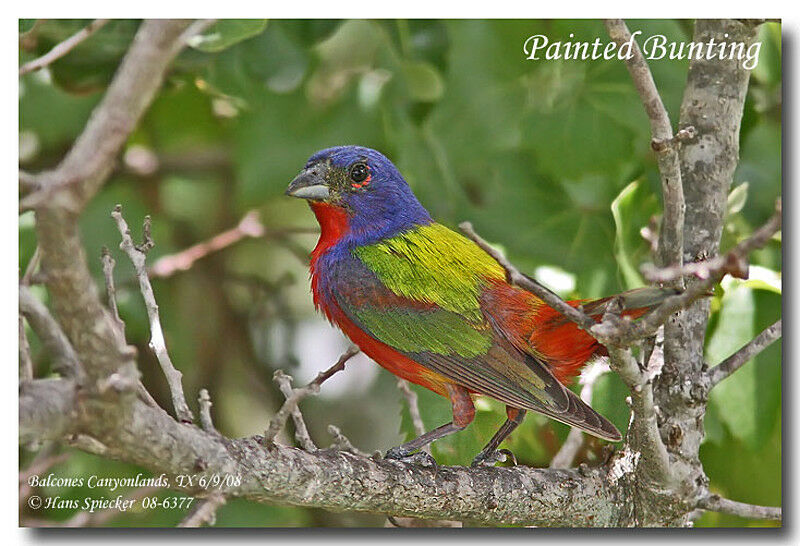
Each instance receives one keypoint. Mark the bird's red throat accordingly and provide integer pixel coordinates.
(333, 223)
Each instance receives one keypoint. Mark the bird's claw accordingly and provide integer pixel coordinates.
(490, 458)
(420, 458)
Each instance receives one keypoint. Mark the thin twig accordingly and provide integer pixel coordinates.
(65, 360)
(645, 423)
(715, 503)
(413, 406)
(249, 226)
(523, 281)
(90, 160)
(25, 360)
(278, 421)
(301, 433)
(205, 512)
(63, 48)
(204, 402)
(413, 410)
(137, 255)
(569, 450)
(111, 291)
(702, 270)
(42, 463)
(343, 443)
(738, 359)
(28, 183)
(734, 262)
(351, 351)
(671, 240)
(30, 270)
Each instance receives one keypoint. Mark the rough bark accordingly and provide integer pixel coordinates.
(713, 103)
(331, 479)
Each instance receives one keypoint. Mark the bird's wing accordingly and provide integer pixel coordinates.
(423, 301)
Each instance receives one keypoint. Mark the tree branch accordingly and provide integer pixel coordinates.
(289, 407)
(301, 433)
(514, 276)
(734, 262)
(205, 512)
(61, 49)
(93, 156)
(670, 242)
(46, 409)
(337, 480)
(64, 192)
(138, 256)
(644, 425)
(413, 406)
(204, 402)
(111, 291)
(713, 104)
(25, 360)
(715, 503)
(65, 361)
(413, 410)
(249, 226)
(738, 359)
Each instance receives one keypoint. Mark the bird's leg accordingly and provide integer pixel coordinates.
(463, 415)
(490, 455)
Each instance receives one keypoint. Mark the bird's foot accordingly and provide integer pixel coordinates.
(490, 458)
(420, 458)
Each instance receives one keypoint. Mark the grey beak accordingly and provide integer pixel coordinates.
(310, 184)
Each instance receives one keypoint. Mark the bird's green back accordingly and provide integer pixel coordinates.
(434, 264)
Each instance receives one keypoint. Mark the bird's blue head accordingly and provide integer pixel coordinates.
(361, 187)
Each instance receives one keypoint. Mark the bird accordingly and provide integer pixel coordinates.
(432, 307)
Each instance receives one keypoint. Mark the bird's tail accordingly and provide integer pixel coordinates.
(634, 303)
(566, 348)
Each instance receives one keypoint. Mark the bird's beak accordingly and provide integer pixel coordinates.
(310, 184)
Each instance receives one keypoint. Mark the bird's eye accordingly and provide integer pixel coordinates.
(358, 173)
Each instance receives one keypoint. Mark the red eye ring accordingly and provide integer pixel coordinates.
(362, 184)
(360, 175)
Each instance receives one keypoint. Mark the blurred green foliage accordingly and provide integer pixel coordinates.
(550, 159)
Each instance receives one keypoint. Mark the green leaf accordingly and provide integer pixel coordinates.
(420, 39)
(88, 67)
(737, 198)
(608, 398)
(423, 80)
(227, 32)
(747, 473)
(760, 167)
(275, 61)
(40, 100)
(631, 210)
(747, 402)
(25, 25)
(768, 69)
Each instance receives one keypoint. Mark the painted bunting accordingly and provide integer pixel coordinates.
(432, 307)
